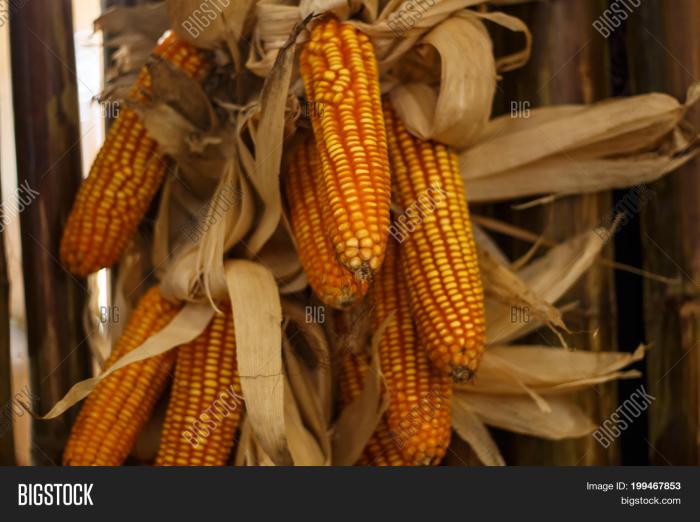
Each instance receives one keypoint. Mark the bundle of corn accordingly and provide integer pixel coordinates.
(419, 311)
(205, 403)
(440, 261)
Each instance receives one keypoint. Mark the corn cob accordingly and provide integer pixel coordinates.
(334, 284)
(123, 178)
(418, 415)
(114, 413)
(205, 402)
(439, 257)
(381, 449)
(340, 76)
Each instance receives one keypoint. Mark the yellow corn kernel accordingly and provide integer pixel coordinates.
(334, 284)
(116, 410)
(438, 253)
(339, 69)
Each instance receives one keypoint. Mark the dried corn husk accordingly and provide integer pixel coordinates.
(222, 24)
(132, 32)
(528, 398)
(609, 145)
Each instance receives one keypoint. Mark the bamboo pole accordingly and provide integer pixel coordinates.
(665, 56)
(569, 65)
(7, 447)
(47, 130)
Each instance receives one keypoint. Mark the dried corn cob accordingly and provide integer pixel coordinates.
(340, 75)
(334, 284)
(418, 415)
(124, 177)
(439, 257)
(381, 449)
(117, 409)
(205, 402)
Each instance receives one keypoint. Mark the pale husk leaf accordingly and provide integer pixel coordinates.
(308, 404)
(548, 277)
(257, 319)
(469, 427)
(545, 370)
(505, 290)
(227, 25)
(486, 243)
(467, 84)
(520, 414)
(611, 144)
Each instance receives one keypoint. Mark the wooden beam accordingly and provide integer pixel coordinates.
(569, 64)
(47, 131)
(665, 56)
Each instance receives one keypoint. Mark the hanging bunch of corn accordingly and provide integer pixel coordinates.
(416, 296)
(114, 413)
(418, 415)
(439, 256)
(416, 427)
(124, 177)
(339, 69)
(205, 404)
(334, 284)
